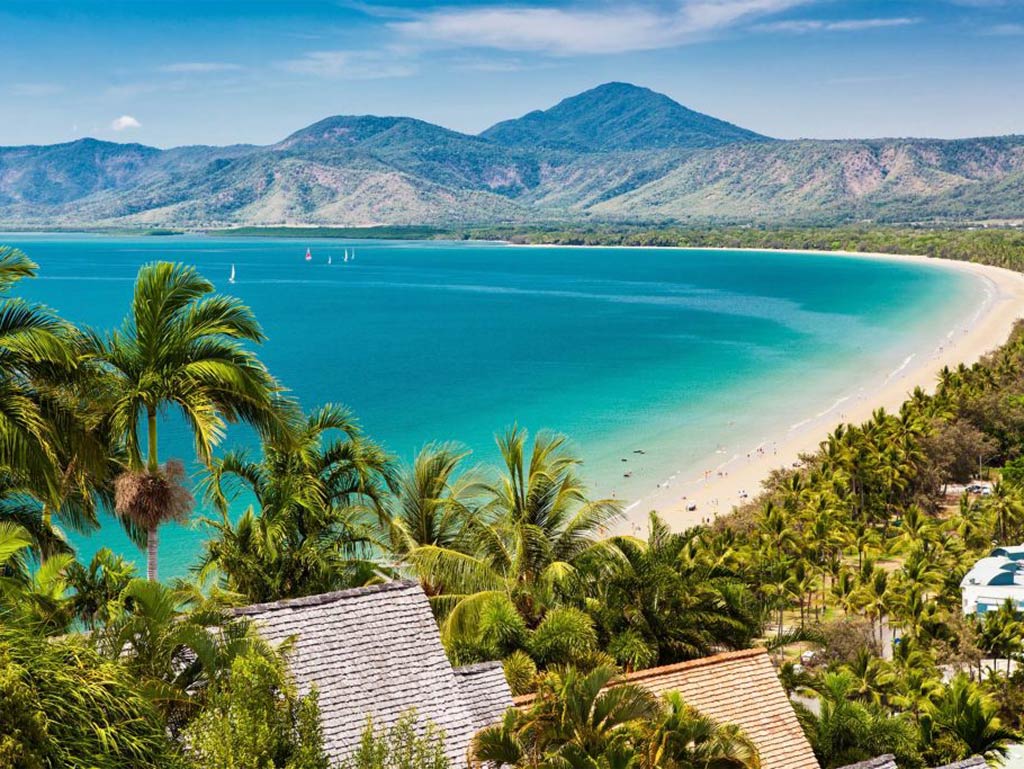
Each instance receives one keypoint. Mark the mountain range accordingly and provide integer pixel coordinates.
(614, 153)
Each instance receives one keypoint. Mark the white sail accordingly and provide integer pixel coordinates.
(232, 278)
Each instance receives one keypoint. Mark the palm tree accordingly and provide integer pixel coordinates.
(684, 738)
(434, 502)
(664, 603)
(180, 347)
(964, 714)
(319, 489)
(54, 461)
(845, 731)
(533, 541)
(1007, 511)
(585, 720)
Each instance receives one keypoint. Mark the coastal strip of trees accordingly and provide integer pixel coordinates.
(836, 558)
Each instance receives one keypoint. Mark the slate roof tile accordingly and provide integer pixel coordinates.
(376, 651)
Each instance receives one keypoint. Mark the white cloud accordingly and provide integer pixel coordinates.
(199, 67)
(840, 25)
(350, 65)
(124, 122)
(578, 30)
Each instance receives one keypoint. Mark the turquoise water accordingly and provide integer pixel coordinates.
(678, 353)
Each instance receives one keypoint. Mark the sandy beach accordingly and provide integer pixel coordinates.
(728, 480)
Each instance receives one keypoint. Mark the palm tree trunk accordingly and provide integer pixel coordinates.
(152, 462)
(153, 465)
(152, 542)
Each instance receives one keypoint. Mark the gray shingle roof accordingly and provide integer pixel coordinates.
(967, 763)
(377, 651)
(888, 761)
(485, 691)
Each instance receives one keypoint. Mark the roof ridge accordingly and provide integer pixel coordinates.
(640, 675)
(700, 662)
(324, 598)
(477, 667)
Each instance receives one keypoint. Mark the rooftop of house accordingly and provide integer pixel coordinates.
(376, 652)
(739, 688)
(995, 570)
(1013, 552)
(888, 761)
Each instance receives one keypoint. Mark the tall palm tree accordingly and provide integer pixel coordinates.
(434, 501)
(54, 461)
(319, 489)
(180, 347)
(532, 542)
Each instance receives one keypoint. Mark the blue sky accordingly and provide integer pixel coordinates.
(218, 72)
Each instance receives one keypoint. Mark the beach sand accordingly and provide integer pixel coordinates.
(726, 480)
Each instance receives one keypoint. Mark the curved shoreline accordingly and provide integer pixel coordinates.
(721, 489)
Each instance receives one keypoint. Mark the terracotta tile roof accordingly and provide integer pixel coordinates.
(739, 688)
(377, 651)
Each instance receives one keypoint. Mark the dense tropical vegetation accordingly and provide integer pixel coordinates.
(854, 557)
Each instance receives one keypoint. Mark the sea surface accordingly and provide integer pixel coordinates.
(684, 355)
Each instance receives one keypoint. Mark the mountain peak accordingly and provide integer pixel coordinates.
(618, 116)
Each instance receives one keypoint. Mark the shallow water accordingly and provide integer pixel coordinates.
(680, 354)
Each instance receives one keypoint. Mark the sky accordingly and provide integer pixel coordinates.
(174, 72)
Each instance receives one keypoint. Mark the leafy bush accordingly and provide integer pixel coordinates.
(62, 705)
(403, 746)
(256, 719)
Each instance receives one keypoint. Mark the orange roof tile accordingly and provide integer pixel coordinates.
(739, 688)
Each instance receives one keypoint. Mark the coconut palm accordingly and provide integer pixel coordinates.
(684, 738)
(319, 489)
(434, 501)
(54, 461)
(964, 714)
(537, 538)
(664, 602)
(845, 731)
(584, 721)
(180, 347)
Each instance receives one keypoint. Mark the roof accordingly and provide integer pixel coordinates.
(376, 651)
(888, 761)
(993, 571)
(1013, 552)
(485, 691)
(967, 763)
(739, 688)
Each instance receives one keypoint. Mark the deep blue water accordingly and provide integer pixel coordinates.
(674, 351)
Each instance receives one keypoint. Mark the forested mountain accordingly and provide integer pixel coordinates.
(616, 152)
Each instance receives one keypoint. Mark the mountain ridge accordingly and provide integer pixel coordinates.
(615, 152)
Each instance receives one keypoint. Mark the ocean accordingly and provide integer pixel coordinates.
(683, 355)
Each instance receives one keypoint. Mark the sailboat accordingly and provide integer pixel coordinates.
(309, 255)
(328, 260)
(346, 255)
(232, 278)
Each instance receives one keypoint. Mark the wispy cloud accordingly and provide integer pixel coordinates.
(351, 65)
(125, 122)
(836, 25)
(580, 30)
(35, 89)
(199, 67)
(1006, 30)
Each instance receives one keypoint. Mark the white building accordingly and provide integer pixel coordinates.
(993, 580)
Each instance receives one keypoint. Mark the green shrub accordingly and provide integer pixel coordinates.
(403, 746)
